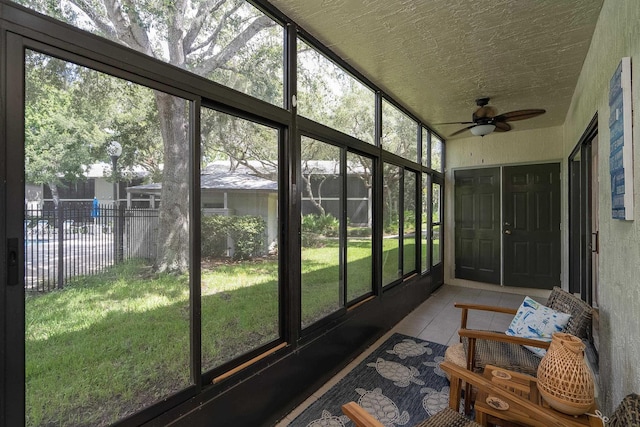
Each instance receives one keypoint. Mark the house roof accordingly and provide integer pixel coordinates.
(222, 181)
(328, 167)
(103, 170)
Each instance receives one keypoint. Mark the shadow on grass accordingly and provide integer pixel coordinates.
(100, 352)
(110, 345)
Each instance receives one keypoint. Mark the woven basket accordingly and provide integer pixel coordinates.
(564, 379)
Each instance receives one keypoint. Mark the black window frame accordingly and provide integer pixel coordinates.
(21, 28)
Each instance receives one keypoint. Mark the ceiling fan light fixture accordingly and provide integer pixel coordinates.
(482, 130)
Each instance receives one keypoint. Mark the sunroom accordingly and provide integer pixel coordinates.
(374, 202)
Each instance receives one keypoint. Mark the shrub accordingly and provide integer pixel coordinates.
(247, 233)
(311, 240)
(214, 235)
(359, 232)
(410, 217)
(326, 225)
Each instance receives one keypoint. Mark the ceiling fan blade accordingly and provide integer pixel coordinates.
(512, 116)
(485, 111)
(462, 130)
(502, 126)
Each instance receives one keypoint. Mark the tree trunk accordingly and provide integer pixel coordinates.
(309, 191)
(54, 194)
(173, 221)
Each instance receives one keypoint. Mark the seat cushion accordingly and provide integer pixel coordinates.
(456, 355)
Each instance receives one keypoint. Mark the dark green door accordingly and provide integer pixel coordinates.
(477, 229)
(531, 229)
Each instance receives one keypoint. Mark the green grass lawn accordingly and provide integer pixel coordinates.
(239, 309)
(321, 280)
(105, 346)
(109, 345)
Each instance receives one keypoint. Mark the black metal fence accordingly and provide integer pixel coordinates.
(79, 239)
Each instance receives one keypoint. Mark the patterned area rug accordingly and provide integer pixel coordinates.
(400, 383)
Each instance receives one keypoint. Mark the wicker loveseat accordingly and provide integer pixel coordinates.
(483, 347)
(627, 414)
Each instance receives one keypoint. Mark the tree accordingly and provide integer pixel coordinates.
(399, 132)
(59, 133)
(56, 143)
(71, 115)
(327, 94)
(200, 36)
(239, 142)
(320, 162)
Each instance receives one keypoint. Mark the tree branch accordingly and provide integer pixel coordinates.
(213, 38)
(175, 33)
(135, 31)
(92, 14)
(205, 10)
(234, 46)
(117, 27)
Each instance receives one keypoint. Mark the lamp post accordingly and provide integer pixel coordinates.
(114, 149)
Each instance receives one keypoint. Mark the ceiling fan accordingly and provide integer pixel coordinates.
(486, 119)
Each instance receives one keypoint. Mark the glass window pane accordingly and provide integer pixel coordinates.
(435, 244)
(391, 269)
(436, 213)
(230, 42)
(106, 283)
(436, 153)
(435, 203)
(321, 205)
(409, 235)
(399, 132)
(331, 96)
(239, 266)
(426, 225)
(426, 155)
(359, 226)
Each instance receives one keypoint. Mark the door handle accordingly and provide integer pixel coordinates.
(12, 261)
(507, 231)
(593, 245)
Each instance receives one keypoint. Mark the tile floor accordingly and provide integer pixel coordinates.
(436, 320)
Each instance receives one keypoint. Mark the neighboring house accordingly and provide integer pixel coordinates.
(325, 186)
(323, 175)
(80, 194)
(229, 194)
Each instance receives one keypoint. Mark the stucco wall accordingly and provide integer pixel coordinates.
(617, 35)
(497, 149)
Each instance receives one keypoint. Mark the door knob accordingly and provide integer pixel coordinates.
(507, 231)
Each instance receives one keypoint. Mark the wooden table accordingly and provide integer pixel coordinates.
(526, 387)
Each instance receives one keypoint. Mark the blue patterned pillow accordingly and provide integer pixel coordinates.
(536, 321)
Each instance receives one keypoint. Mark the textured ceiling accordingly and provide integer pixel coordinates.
(437, 56)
